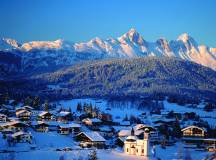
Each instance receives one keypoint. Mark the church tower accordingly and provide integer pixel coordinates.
(146, 142)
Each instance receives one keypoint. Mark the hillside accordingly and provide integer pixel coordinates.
(134, 77)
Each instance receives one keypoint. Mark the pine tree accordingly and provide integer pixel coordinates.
(126, 118)
(79, 107)
(46, 106)
(92, 155)
(28, 101)
(36, 102)
(90, 107)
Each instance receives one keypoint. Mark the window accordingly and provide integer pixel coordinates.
(142, 150)
(137, 150)
(127, 149)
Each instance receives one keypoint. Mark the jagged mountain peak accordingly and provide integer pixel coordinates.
(133, 36)
(186, 38)
(8, 43)
(130, 44)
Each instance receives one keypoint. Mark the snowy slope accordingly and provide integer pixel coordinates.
(129, 45)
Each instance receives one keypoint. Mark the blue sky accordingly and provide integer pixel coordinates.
(81, 20)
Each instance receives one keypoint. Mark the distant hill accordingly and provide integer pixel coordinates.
(134, 77)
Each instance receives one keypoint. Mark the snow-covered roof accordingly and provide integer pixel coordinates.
(141, 126)
(3, 115)
(193, 127)
(93, 136)
(131, 138)
(28, 107)
(22, 111)
(93, 120)
(125, 123)
(63, 113)
(105, 129)
(54, 123)
(34, 123)
(43, 113)
(70, 125)
(10, 123)
(20, 133)
(124, 133)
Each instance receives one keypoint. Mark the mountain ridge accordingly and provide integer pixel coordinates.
(44, 54)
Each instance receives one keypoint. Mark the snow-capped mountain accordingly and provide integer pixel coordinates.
(8, 44)
(37, 54)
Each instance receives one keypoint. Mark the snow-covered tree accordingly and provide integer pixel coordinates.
(92, 155)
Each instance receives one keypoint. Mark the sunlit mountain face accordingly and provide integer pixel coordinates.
(45, 54)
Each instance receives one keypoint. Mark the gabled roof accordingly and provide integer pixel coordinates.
(93, 136)
(20, 133)
(22, 111)
(35, 123)
(125, 123)
(63, 113)
(124, 133)
(93, 120)
(142, 126)
(11, 123)
(3, 115)
(43, 113)
(70, 125)
(193, 127)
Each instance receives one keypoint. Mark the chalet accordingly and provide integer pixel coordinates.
(91, 121)
(3, 118)
(40, 126)
(106, 131)
(13, 126)
(53, 125)
(69, 128)
(91, 139)
(21, 137)
(153, 133)
(23, 114)
(47, 116)
(143, 127)
(193, 131)
(64, 116)
(139, 132)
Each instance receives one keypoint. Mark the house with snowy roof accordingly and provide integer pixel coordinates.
(92, 121)
(90, 139)
(106, 131)
(23, 114)
(139, 130)
(64, 116)
(21, 137)
(40, 126)
(125, 123)
(3, 118)
(44, 115)
(193, 131)
(13, 126)
(69, 128)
